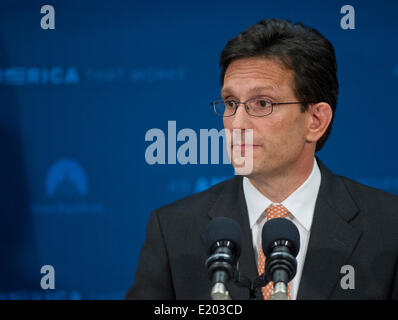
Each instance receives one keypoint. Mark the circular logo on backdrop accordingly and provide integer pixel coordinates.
(66, 177)
(67, 190)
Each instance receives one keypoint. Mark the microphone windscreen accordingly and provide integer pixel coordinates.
(222, 228)
(280, 229)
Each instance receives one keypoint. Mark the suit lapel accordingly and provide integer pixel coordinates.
(332, 238)
(231, 203)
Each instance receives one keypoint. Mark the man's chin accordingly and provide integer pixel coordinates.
(242, 161)
(246, 169)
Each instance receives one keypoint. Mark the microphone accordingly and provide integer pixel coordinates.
(223, 242)
(281, 244)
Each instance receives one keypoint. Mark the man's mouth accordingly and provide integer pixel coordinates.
(244, 146)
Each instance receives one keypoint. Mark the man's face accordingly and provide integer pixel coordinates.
(279, 142)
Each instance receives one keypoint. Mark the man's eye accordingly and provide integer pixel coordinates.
(262, 103)
(230, 103)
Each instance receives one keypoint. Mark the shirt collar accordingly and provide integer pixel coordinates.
(301, 203)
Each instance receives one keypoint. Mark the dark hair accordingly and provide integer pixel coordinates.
(301, 49)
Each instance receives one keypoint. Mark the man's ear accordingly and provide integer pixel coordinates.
(319, 117)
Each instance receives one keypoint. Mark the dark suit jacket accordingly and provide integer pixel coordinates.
(353, 225)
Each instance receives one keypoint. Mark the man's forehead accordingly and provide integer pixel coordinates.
(254, 90)
(257, 75)
(253, 65)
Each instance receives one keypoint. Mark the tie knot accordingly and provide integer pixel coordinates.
(277, 211)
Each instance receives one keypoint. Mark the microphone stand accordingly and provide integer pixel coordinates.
(252, 286)
(279, 291)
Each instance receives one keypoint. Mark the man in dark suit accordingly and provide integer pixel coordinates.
(284, 78)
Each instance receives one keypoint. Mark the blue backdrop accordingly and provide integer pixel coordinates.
(76, 103)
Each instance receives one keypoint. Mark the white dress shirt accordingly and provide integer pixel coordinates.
(301, 205)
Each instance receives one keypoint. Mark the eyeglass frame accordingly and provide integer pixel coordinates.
(247, 107)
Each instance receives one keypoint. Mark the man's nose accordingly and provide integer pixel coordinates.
(241, 119)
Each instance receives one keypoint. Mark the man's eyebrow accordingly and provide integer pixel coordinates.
(228, 91)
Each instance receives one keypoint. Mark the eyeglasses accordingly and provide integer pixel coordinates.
(256, 107)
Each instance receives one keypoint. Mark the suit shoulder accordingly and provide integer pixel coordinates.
(195, 203)
(378, 206)
(369, 192)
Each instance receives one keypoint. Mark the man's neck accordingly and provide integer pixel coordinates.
(278, 187)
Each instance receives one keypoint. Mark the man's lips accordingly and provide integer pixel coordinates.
(244, 146)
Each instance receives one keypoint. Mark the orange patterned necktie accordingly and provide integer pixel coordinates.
(273, 211)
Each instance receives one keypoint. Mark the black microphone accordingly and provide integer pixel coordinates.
(281, 244)
(223, 242)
